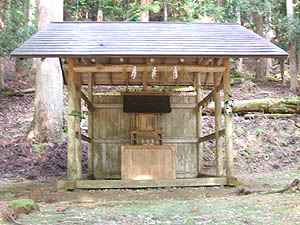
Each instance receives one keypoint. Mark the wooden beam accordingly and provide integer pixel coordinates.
(205, 62)
(84, 138)
(88, 176)
(110, 74)
(91, 83)
(160, 78)
(107, 106)
(74, 108)
(87, 101)
(179, 141)
(164, 140)
(206, 79)
(199, 125)
(208, 98)
(66, 185)
(228, 119)
(145, 79)
(207, 175)
(157, 183)
(200, 60)
(142, 68)
(218, 120)
(211, 136)
(218, 126)
(119, 106)
(146, 93)
(112, 140)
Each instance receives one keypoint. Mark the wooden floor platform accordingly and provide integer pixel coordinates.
(159, 183)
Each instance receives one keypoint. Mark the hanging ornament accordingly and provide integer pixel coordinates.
(133, 73)
(154, 73)
(175, 73)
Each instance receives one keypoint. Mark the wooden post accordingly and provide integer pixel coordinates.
(199, 125)
(218, 126)
(228, 119)
(91, 83)
(74, 112)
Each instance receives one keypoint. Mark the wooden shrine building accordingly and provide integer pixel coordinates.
(147, 138)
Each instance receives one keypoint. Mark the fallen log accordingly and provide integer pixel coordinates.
(17, 93)
(269, 116)
(265, 105)
(293, 187)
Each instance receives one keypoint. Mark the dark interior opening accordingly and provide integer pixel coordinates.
(146, 104)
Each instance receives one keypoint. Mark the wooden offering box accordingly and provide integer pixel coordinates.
(145, 162)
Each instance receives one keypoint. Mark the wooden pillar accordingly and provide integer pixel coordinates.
(218, 126)
(74, 132)
(228, 120)
(199, 125)
(91, 82)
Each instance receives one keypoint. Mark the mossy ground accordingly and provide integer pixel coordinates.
(23, 206)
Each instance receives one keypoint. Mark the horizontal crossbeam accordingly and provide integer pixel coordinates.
(208, 98)
(141, 68)
(211, 136)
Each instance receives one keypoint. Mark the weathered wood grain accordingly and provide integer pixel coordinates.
(74, 108)
(91, 83)
(144, 162)
(218, 126)
(199, 125)
(228, 120)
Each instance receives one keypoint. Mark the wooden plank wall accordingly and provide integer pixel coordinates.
(179, 129)
(112, 130)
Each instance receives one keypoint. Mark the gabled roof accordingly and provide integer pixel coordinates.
(91, 39)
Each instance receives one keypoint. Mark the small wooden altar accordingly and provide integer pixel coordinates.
(146, 162)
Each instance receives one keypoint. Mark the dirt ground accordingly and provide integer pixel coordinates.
(267, 156)
(203, 205)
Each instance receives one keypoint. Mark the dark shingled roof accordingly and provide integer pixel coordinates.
(90, 39)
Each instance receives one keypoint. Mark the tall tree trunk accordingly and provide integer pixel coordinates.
(1, 73)
(1, 76)
(298, 63)
(31, 19)
(48, 105)
(144, 15)
(269, 35)
(99, 16)
(294, 84)
(165, 10)
(239, 61)
(32, 11)
(283, 77)
(260, 63)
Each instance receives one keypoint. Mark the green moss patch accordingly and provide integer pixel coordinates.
(23, 206)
